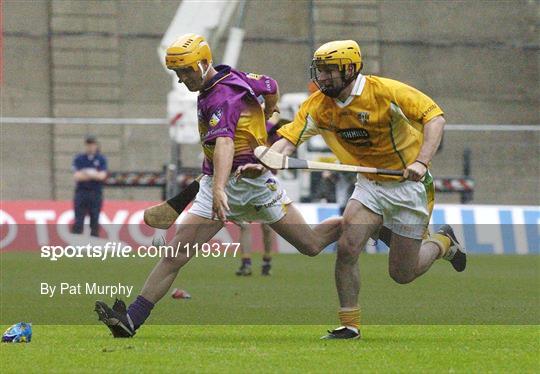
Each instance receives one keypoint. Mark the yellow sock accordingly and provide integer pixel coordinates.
(350, 317)
(442, 241)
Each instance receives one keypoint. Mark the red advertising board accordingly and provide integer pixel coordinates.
(27, 225)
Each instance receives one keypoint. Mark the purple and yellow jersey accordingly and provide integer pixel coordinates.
(380, 125)
(228, 107)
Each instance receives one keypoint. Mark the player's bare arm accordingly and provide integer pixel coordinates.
(284, 146)
(433, 131)
(223, 159)
(271, 104)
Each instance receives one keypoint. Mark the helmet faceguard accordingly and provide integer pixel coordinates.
(341, 57)
(324, 74)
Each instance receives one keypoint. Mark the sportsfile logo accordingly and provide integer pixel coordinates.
(120, 250)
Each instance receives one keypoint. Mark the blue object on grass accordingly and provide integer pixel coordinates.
(18, 333)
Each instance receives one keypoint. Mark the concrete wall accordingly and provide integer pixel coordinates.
(102, 62)
(26, 167)
(477, 59)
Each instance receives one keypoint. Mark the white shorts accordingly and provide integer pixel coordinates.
(260, 199)
(404, 206)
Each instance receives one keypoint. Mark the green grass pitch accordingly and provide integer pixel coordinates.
(486, 319)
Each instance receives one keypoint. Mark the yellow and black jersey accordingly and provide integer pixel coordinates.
(380, 124)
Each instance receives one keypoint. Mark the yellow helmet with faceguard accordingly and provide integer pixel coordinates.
(188, 51)
(343, 54)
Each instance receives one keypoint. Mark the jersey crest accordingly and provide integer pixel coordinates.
(214, 120)
(363, 117)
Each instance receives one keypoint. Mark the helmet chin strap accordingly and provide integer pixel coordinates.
(204, 72)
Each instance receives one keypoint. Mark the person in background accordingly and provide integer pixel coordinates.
(89, 173)
(245, 248)
(344, 183)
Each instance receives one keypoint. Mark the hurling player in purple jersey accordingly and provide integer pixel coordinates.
(231, 125)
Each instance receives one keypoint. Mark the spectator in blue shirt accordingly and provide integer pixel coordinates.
(89, 172)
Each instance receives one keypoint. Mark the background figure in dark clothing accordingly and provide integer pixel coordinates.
(344, 183)
(89, 171)
(334, 187)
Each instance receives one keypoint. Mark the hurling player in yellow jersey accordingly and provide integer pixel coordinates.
(376, 122)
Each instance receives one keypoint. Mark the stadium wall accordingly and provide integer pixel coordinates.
(98, 59)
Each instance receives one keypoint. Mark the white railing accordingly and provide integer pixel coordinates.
(163, 121)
